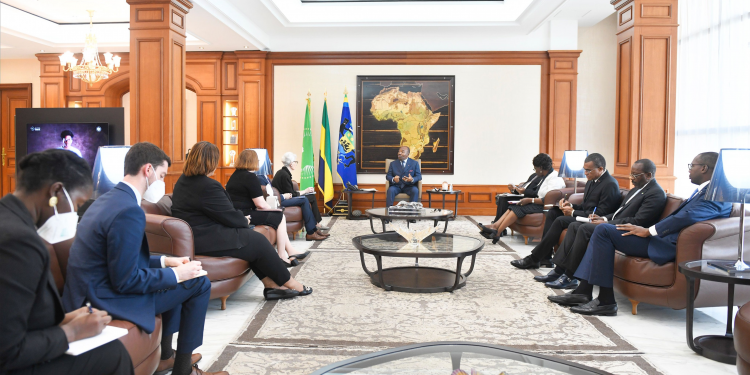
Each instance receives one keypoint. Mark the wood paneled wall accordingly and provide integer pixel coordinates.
(646, 87)
(12, 96)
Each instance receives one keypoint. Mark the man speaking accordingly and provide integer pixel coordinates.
(403, 174)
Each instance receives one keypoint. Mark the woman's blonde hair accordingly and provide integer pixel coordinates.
(202, 159)
(248, 160)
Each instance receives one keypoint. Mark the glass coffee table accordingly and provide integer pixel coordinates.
(442, 358)
(416, 279)
(434, 214)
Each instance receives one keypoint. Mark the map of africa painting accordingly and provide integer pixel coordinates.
(414, 111)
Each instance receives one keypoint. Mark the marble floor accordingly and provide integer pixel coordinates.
(656, 331)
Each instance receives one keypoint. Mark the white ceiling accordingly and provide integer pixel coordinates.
(29, 26)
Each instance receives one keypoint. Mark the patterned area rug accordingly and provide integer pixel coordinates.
(347, 316)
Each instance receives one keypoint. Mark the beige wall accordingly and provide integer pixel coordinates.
(497, 116)
(22, 71)
(191, 117)
(597, 66)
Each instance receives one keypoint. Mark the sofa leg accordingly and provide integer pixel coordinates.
(224, 302)
(526, 240)
(634, 303)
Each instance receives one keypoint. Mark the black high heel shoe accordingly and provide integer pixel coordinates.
(292, 263)
(300, 256)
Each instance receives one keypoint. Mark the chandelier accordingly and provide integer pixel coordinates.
(90, 69)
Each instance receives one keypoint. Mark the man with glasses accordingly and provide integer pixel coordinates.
(642, 206)
(657, 242)
(602, 194)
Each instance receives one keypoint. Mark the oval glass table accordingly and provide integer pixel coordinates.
(416, 279)
(434, 214)
(444, 358)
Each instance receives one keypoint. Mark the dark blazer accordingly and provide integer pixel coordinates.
(110, 264)
(31, 308)
(644, 209)
(603, 194)
(412, 167)
(663, 247)
(282, 181)
(242, 187)
(204, 204)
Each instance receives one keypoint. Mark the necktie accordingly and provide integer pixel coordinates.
(403, 165)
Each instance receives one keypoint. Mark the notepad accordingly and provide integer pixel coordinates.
(370, 189)
(202, 273)
(583, 219)
(108, 334)
(513, 202)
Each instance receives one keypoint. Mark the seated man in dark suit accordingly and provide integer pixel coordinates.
(642, 206)
(110, 265)
(658, 242)
(601, 196)
(403, 174)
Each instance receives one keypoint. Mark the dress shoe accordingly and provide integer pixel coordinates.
(484, 229)
(271, 294)
(551, 276)
(562, 282)
(314, 237)
(570, 299)
(300, 256)
(525, 263)
(306, 290)
(166, 365)
(594, 308)
(197, 371)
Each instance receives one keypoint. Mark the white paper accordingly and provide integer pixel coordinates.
(583, 219)
(513, 202)
(108, 334)
(370, 189)
(202, 273)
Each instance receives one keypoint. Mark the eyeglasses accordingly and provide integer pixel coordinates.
(587, 171)
(634, 176)
(691, 165)
(295, 162)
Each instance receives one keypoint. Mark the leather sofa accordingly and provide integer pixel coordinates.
(641, 280)
(742, 339)
(144, 348)
(532, 225)
(173, 237)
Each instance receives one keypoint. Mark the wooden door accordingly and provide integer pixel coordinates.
(12, 96)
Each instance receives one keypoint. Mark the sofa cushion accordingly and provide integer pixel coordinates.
(222, 268)
(643, 271)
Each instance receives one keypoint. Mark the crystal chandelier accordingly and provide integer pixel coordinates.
(90, 69)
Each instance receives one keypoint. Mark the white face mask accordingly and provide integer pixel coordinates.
(60, 227)
(155, 190)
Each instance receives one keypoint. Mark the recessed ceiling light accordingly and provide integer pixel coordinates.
(200, 47)
(41, 50)
(245, 46)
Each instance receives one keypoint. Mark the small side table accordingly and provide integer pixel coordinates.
(455, 193)
(720, 348)
(349, 193)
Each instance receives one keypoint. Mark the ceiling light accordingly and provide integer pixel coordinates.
(41, 50)
(91, 69)
(245, 46)
(200, 47)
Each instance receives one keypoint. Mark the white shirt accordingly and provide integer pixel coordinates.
(652, 229)
(626, 202)
(138, 200)
(552, 182)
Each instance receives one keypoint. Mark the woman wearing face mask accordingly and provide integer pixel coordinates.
(221, 230)
(245, 191)
(35, 332)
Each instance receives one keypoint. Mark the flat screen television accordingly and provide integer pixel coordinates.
(83, 139)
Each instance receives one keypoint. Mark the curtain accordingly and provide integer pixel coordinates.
(713, 81)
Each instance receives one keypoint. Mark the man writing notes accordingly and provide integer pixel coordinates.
(403, 174)
(642, 206)
(657, 242)
(110, 265)
(601, 196)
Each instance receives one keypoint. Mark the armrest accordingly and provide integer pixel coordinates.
(553, 196)
(169, 236)
(576, 198)
(270, 209)
(295, 185)
(710, 239)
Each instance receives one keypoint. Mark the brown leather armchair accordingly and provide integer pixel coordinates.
(171, 236)
(742, 339)
(144, 348)
(532, 225)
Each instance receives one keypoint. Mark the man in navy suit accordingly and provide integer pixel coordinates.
(403, 174)
(658, 242)
(111, 267)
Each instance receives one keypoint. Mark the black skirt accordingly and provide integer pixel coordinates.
(269, 218)
(522, 211)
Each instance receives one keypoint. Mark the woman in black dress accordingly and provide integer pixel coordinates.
(545, 180)
(220, 230)
(244, 189)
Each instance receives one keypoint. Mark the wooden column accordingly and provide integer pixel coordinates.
(53, 81)
(251, 68)
(563, 93)
(646, 87)
(157, 84)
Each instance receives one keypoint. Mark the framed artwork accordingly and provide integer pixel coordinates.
(413, 111)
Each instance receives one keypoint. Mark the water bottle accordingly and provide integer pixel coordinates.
(450, 188)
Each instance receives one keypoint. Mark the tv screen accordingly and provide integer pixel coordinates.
(83, 139)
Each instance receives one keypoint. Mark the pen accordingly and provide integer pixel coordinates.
(88, 304)
(594, 213)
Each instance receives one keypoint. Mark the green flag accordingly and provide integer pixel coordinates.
(308, 170)
(325, 173)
